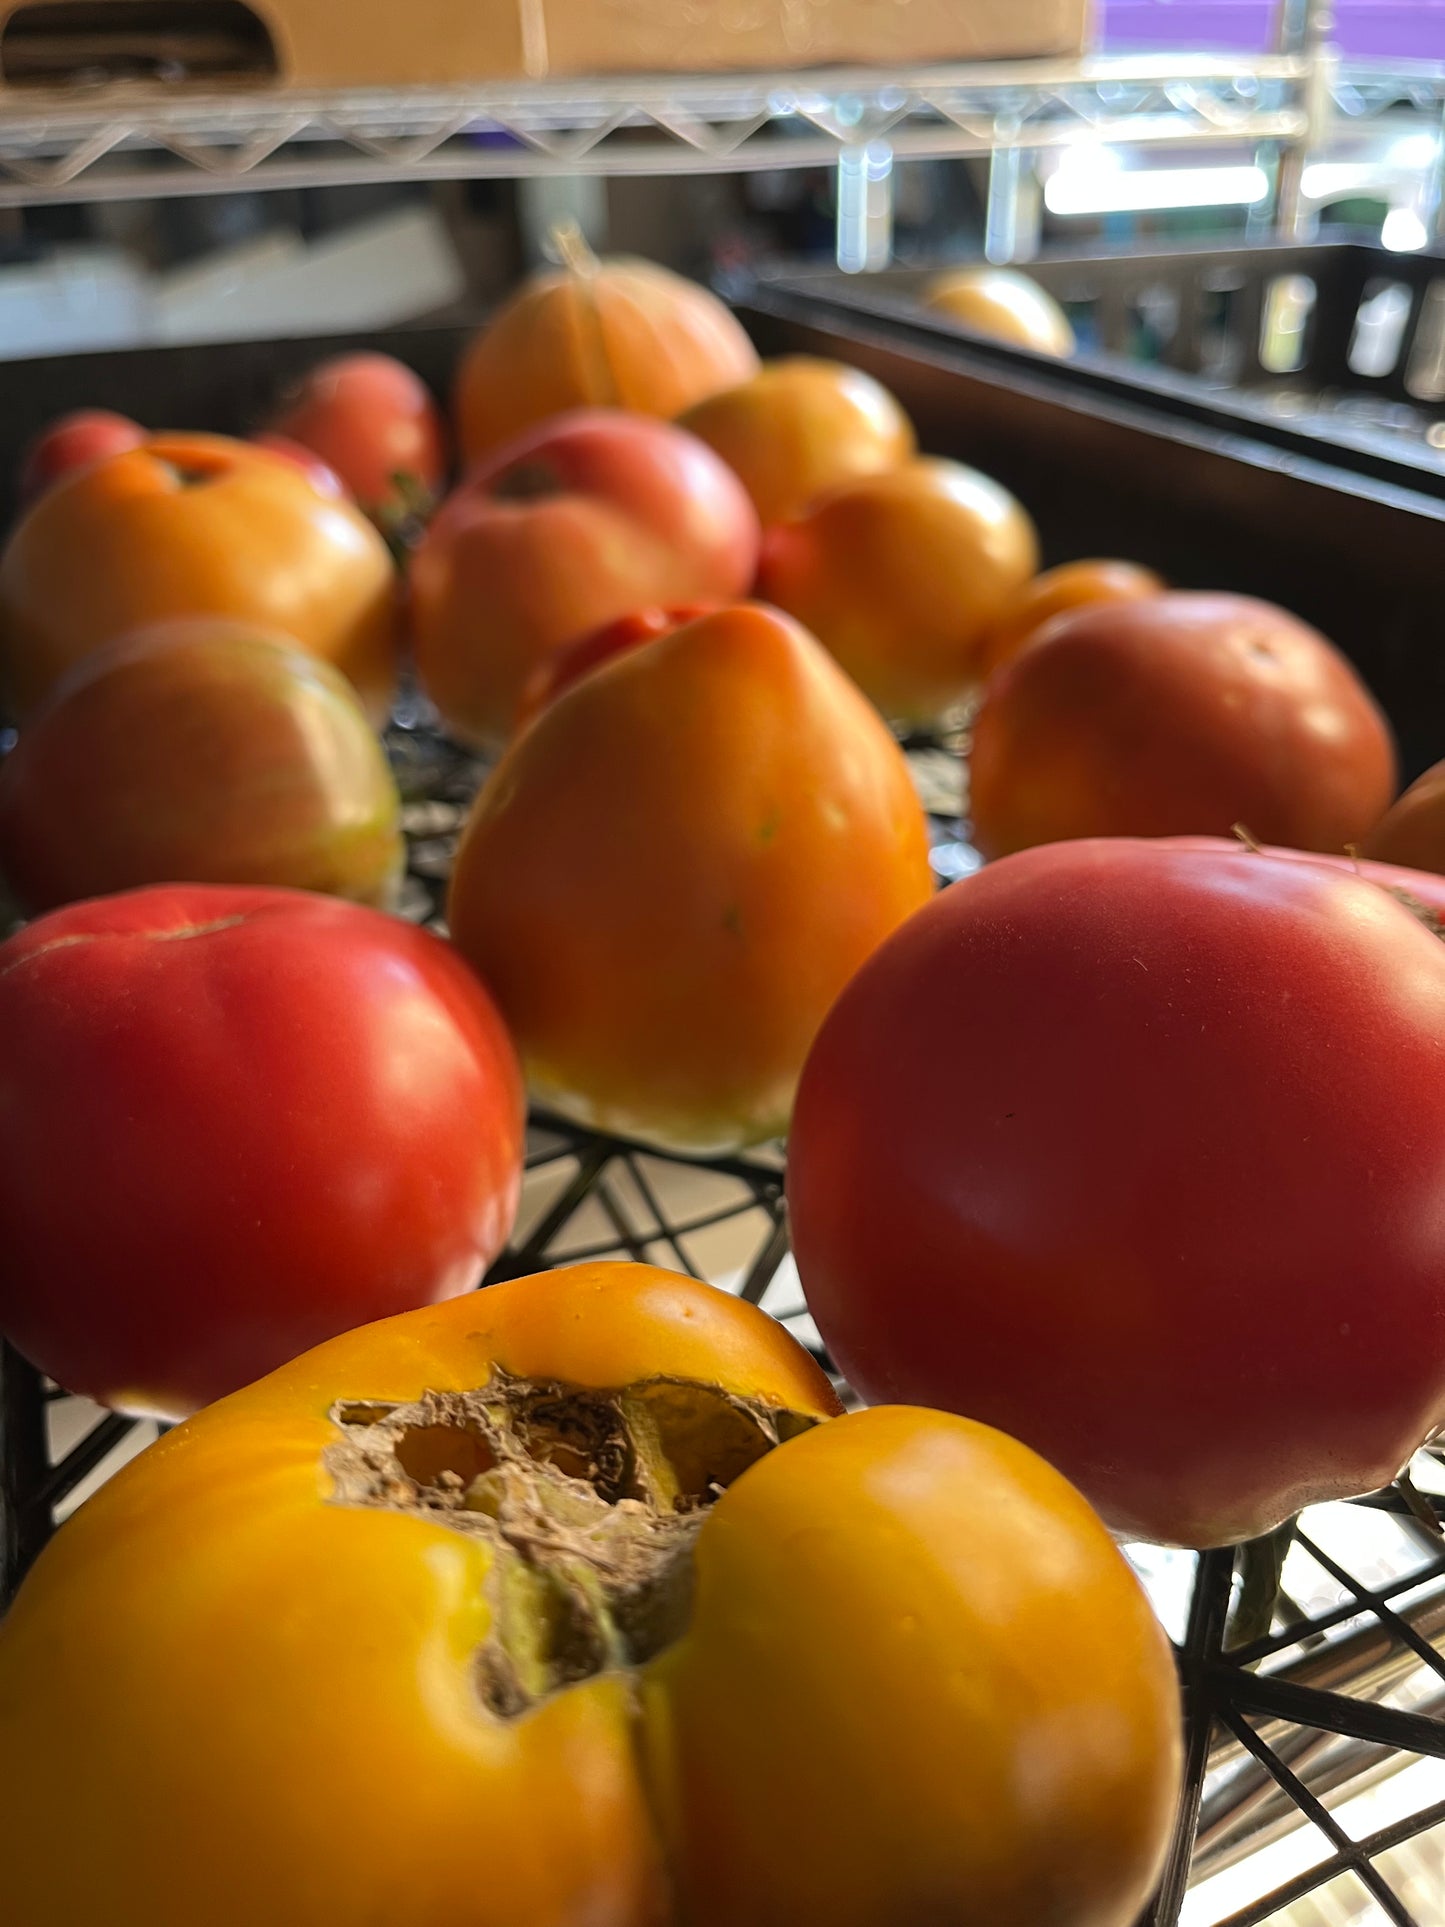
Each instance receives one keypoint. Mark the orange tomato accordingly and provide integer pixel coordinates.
(596, 334)
(1005, 304)
(1412, 830)
(194, 525)
(571, 1605)
(1054, 593)
(901, 576)
(670, 876)
(801, 426)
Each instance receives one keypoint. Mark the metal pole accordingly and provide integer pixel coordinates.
(865, 208)
(1012, 214)
(1305, 28)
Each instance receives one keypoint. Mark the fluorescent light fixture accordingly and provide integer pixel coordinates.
(1092, 189)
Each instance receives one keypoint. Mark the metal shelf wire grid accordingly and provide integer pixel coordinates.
(1316, 1746)
(118, 144)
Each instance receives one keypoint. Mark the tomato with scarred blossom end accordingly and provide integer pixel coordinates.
(572, 1605)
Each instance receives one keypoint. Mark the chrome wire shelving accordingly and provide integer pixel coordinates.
(115, 145)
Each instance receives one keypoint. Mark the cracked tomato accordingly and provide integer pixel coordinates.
(234, 1122)
(560, 1606)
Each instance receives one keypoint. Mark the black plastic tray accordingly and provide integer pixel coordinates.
(1346, 1686)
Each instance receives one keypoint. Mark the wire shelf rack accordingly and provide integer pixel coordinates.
(110, 144)
(1316, 1730)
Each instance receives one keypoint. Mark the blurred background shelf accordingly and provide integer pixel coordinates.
(207, 144)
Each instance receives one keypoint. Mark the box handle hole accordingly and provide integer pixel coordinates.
(88, 43)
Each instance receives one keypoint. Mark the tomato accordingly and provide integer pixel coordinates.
(669, 877)
(799, 427)
(578, 659)
(585, 520)
(1004, 304)
(1073, 585)
(74, 441)
(1412, 830)
(374, 423)
(901, 576)
(194, 525)
(1134, 1150)
(1178, 714)
(323, 476)
(516, 1610)
(616, 333)
(199, 752)
(232, 1123)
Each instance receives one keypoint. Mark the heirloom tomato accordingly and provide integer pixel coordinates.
(373, 423)
(672, 873)
(1135, 1150)
(194, 525)
(232, 1123)
(570, 1605)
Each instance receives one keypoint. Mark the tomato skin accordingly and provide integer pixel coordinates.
(341, 1763)
(901, 576)
(669, 877)
(1412, 830)
(74, 441)
(321, 474)
(370, 419)
(589, 652)
(1072, 585)
(232, 1122)
(616, 333)
(799, 427)
(1178, 714)
(194, 526)
(856, 1592)
(1004, 304)
(584, 520)
(199, 752)
(1133, 1149)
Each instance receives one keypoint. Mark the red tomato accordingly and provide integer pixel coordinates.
(1134, 1150)
(323, 476)
(372, 420)
(234, 1122)
(74, 441)
(589, 652)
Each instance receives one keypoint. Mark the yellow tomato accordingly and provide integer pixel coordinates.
(1003, 303)
(461, 1621)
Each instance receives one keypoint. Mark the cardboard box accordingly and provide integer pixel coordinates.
(169, 47)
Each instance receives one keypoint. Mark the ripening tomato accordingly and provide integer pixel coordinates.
(74, 441)
(1412, 830)
(323, 476)
(1134, 1149)
(373, 421)
(570, 1605)
(1072, 585)
(194, 525)
(232, 1123)
(578, 659)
